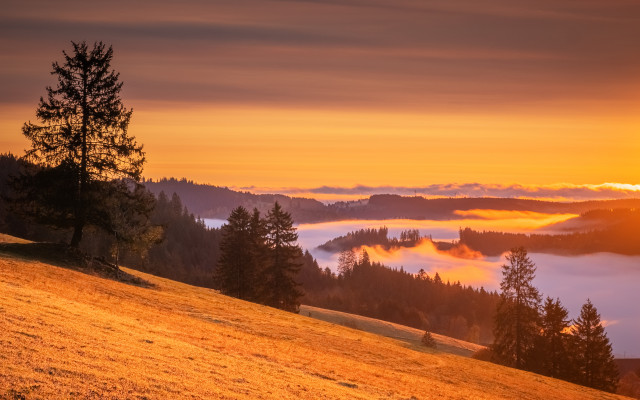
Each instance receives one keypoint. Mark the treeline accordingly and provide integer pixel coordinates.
(388, 206)
(417, 300)
(619, 234)
(540, 337)
(180, 246)
(208, 201)
(371, 237)
(259, 258)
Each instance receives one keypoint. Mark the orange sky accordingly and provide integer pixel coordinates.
(303, 94)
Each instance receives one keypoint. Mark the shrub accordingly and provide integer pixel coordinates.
(428, 340)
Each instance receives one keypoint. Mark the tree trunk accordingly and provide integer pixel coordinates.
(77, 233)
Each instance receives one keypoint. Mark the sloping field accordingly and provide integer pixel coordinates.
(71, 335)
(411, 336)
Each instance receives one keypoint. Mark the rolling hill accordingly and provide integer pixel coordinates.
(70, 333)
(208, 201)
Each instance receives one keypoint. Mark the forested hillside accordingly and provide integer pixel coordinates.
(608, 230)
(417, 300)
(209, 201)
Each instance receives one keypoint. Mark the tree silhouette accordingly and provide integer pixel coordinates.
(592, 352)
(281, 289)
(235, 273)
(347, 259)
(123, 210)
(554, 339)
(516, 323)
(83, 131)
(428, 340)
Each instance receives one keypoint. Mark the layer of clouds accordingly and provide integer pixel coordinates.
(406, 54)
(568, 192)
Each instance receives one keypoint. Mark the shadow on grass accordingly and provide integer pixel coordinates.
(62, 255)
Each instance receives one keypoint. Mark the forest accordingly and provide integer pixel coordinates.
(372, 237)
(617, 232)
(418, 300)
(208, 201)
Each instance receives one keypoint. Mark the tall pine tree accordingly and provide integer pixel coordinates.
(235, 273)
(592, 352)
(82, 136)
(280, 288)
(517, 315)
(554, 340)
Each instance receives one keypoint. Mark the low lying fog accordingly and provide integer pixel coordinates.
(611, 281)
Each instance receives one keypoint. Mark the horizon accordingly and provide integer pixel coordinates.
(561, 192)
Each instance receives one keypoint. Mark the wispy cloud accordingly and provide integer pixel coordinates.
(386, 54)
(558, 192)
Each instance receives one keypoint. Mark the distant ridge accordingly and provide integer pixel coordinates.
(208, 201)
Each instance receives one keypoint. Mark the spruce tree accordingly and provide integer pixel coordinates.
(280, 288)
(516, 321)
(82, 136)
(259, 254)
(592, 353)
(347, 260)
(235, 272)
(554, 340)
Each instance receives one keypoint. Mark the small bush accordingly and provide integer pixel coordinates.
(428, 340)
(484, 355)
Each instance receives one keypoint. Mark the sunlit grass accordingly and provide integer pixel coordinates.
(66, 334)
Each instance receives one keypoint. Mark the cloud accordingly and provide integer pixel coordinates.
(417, 55)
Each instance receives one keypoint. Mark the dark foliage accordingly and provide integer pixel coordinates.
(372, 237)
(517, 319)
(428, 340)
(280, 288)
(417, 300)
(209, 201)
(592, 354)
(618, 232)
(260, 259)
(388, 206)
(238, 267)
(217, 202)
(188, 250)
(541, 339)
(552, 348)
(81, 140)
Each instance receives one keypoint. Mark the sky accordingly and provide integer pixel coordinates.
(303, 94)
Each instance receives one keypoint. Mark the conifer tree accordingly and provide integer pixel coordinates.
(516, 321)
(82, 135)
(592, 353)
(280, 288)
(347, 259)
(554, 340)
(235, 273)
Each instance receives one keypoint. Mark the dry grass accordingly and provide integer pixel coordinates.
(4, 238)
(66, 334)
(411, 336)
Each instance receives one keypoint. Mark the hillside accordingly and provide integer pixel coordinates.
(71, 334)
(403, 333)
(210, 201)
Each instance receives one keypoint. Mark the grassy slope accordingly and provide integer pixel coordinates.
(66, 334)
(411, 336)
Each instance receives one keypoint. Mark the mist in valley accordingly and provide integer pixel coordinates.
(609, 280)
